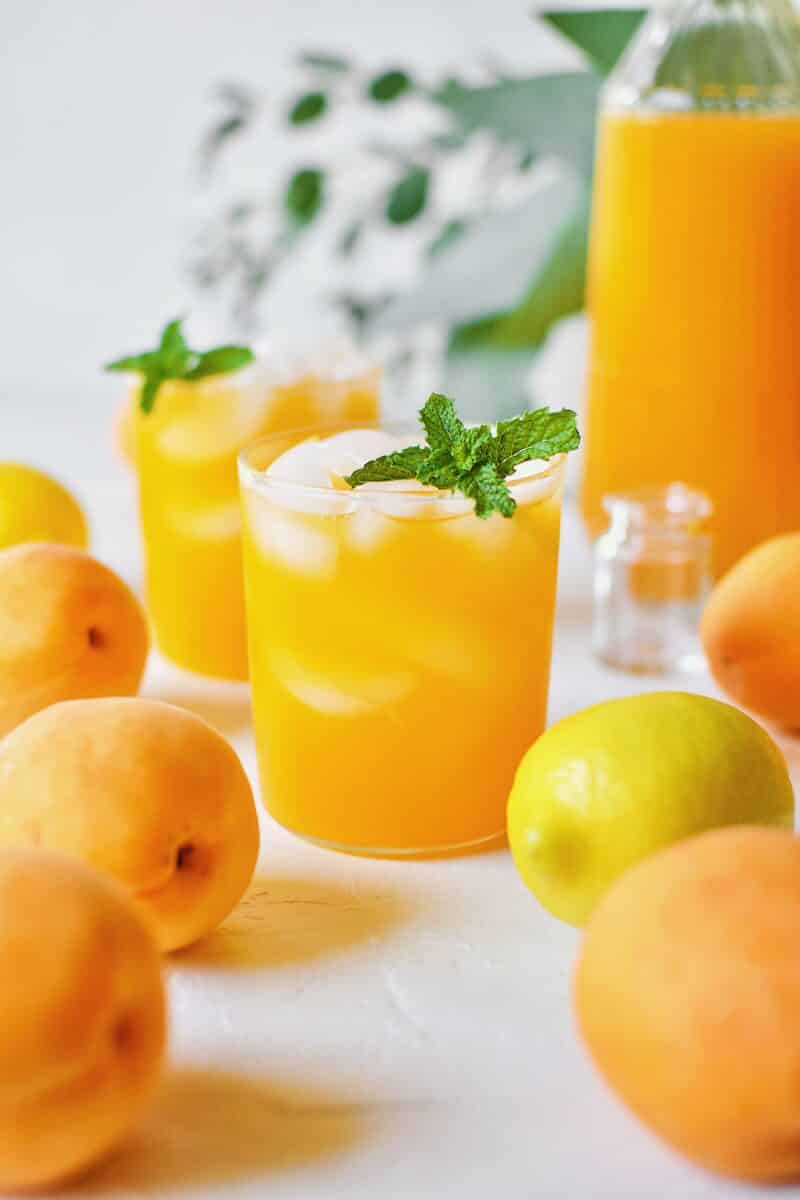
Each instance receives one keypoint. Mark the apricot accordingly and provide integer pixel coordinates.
(751, 631)
(34, 507)
(143, 791)
(69, 629)
(82, 1018)
(687, 993)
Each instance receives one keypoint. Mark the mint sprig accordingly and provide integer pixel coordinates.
(174, 359)
(475, 461)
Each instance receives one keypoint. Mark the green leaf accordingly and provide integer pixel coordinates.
(150, 385)
(402, 464)
(305, 193)
(388, 86)
(408, 198)
(442, 424)
(489, 491)
(137, 363)
(456, 285)
(558, 289)
(172, 339)
(174, 359)
(474, 461)
(324, 62)
(221, 361)
(538, 434)
(349, 240)
(309, 107)
(451, 231)
(547, 114)
(602, 34)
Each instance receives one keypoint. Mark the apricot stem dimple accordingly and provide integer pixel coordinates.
(184, 856)
(95, 638)
(122, 1033)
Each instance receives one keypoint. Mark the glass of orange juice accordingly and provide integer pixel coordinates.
(399, 645)
(186, 451)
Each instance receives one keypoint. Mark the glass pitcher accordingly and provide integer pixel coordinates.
(694, 275)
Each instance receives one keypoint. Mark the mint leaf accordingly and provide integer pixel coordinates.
(442, 424)
(537, 434)
(221, 361)
(489, 491)
(150, 385)
(174, 359)
(474, 461)
(402, 464)
(133, 363)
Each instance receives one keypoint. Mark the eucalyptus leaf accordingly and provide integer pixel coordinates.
(305, 194)
(324, 62)
(349, 240)
(558, 289)
(455, 286)
(309, 107)
(546, 114)
(450, 232)
(602, 34)
(408, 197)
(389, 86)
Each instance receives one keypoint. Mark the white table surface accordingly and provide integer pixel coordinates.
(368, 1028)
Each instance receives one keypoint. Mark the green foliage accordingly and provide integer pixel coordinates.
(309, 107)
(556, 291)
(601, 34)
(174, 359)
(544, 115)
(473, 461)
(408, 196)
(304, 194)
(496, 279)
(324, 63)
(389, 86)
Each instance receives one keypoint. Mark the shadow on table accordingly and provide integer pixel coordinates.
(295, 919)
(214, 1127)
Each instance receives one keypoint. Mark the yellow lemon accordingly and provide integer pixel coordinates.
(606, 787)
(36, 508)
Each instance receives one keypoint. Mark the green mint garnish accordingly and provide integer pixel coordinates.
(175, 360)
(474, 461)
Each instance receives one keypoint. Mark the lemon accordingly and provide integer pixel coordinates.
(36, 508)
(607, 786)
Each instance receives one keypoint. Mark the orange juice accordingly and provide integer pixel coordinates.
(186, 453)
(400, 653)
(694, 297)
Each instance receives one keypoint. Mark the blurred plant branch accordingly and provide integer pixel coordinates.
(498, 268)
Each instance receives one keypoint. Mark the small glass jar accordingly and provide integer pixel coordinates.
(652, 576)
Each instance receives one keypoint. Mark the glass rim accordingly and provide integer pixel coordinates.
(251, 477)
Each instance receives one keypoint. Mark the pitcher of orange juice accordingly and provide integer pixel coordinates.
(694, 276)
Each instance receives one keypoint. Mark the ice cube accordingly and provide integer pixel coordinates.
(367, 528)
(302, 463)
(345, 452)
(223, 416)
(343, 695)
(299, 481)
(294, 542)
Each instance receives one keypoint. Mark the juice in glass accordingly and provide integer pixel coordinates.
(694, 298)
(186, 453)
(400, 646)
